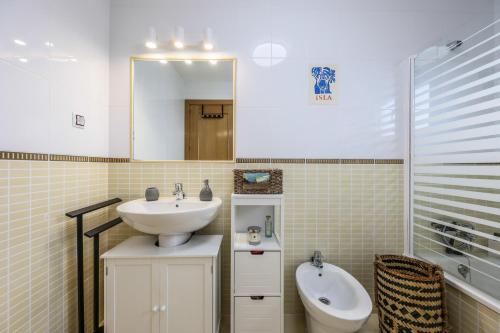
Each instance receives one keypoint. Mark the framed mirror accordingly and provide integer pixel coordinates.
(182, 109)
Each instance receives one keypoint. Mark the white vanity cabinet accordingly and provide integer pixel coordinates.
(160, 290)
(257, 270)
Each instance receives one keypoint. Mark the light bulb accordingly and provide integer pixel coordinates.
(208, 39)
(49, 44)
(151, 42)
(151, 45)
(179, 37)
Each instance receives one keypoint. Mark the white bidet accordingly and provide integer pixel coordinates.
(335, 301)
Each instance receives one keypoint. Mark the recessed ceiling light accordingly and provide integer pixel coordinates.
(23, 60)
(188, 61)
(163, 61)
(213, 62)
(20, 42)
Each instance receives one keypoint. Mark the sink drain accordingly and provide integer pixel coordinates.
(324, 300)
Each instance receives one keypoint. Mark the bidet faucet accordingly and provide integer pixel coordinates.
(317, 259)
(179, 193)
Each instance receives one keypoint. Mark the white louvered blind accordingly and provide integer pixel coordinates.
(455, 168)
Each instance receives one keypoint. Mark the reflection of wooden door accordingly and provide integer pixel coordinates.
(208, 130)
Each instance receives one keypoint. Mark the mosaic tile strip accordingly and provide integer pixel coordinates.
(10, 155)
(13, 155)
(68, 158)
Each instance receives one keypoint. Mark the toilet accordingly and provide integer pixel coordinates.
(335, 301)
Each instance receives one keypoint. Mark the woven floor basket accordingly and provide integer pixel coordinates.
(410, 295)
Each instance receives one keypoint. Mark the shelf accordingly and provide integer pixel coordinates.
(256, 199)
(267, 244)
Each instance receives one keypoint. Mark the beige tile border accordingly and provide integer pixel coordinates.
(12, 155)
(5, 155)
(68, 158)
(320, 160)
(253, 160)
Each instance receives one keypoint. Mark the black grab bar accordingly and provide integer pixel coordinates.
(79, 256)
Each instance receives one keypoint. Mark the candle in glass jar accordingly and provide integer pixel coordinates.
(254, 235)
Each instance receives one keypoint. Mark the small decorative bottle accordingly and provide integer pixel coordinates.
(206, 192)
(269, 226)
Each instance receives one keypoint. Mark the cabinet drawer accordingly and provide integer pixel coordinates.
(257, 273)
(257, 315)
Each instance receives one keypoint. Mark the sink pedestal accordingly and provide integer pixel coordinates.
(173, 240)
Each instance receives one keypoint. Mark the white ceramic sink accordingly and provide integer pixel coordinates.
(173, 220)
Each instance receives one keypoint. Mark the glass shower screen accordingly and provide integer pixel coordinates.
(455, 162)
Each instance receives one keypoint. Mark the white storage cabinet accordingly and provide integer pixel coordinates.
(256, 270)
(154, 290)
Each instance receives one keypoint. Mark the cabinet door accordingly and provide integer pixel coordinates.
(186, 295)
(132, 297)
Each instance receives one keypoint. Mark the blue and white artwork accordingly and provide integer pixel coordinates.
(323, 84)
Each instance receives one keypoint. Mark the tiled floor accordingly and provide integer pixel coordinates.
(371, 326)
(297, 325)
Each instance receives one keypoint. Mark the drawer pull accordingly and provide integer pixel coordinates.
(257, 252)
(257, 298)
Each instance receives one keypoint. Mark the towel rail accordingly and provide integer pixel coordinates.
(78, 214)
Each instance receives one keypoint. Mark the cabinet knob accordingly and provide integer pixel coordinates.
(155, 308)
(163, 308)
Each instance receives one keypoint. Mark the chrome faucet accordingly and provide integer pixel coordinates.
(179, 193)
(317, 259)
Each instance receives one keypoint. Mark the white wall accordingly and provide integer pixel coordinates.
(38, 97)
(366, 39)
(158, 112)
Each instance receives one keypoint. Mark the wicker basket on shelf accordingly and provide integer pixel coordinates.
(273, 186)
(410, 295)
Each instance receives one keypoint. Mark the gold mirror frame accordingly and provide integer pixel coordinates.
(171, 59)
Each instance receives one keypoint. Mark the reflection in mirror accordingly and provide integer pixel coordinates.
(182, 109)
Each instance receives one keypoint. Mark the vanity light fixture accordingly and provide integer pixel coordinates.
(20, 42)
(151, 43)
(179, 37)
(213, 62)
(163, 62)
(188, 61)
(208, 39)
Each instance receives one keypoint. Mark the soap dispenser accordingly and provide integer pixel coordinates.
(206, 192)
